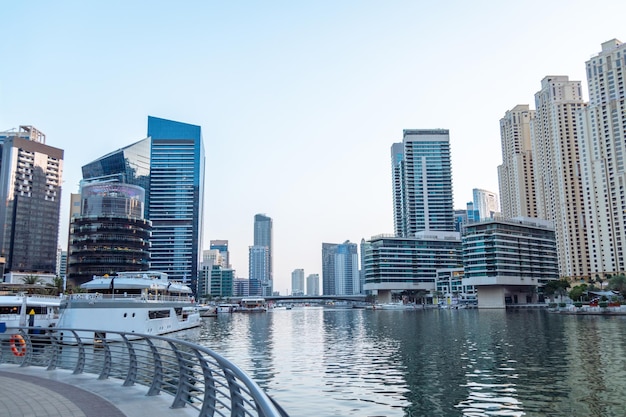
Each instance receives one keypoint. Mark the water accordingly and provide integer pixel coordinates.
(321, 362)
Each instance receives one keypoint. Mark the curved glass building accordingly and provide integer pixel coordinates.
(111, 234)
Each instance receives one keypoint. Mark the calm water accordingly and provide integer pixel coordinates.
(320, 362)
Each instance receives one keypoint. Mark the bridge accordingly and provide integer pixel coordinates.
(305, 298)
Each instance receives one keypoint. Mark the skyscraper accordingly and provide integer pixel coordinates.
(422, 182)
(222, 247)
(297, 282)
(30, 189)
(176, 197)
(603, 146)
(263, 237)
(258, 270)
(516, 176)
(558, 181)
(313, 284)
(340, 269)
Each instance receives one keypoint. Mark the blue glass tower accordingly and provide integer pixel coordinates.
(176, 197)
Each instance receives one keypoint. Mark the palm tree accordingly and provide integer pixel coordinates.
(32, 280)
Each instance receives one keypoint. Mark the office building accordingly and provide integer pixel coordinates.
(486, 202)
(516, 176)
(176, 198)
(340, 269)
(297, 282)
(602, 141)
(422, 182)
(507, 260)
(263, 232)
(313, 284)
(398, 264)
(110, 235)
(558, 181)
(30, 188)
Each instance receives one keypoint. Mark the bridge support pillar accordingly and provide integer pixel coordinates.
(384, 296)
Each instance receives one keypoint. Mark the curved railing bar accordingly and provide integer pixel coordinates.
(194, 375)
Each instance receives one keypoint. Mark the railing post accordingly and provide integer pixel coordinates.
(182, 392)
(106, 367)
(80, 361)
(157, 377)
(131, 376)
(236, 400)
(210, 393)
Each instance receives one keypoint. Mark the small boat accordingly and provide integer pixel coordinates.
(207, 310)
(394, 306)
(227, 308)
(134, 302)
(252, 305)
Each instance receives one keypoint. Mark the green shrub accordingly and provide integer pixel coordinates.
(562, 304)
(552, 305)
(603, 304)
(578, 304)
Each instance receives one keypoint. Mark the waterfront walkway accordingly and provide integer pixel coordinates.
(36, 392)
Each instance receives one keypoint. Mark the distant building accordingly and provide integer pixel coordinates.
(31, 174)
(422, 182)
(258, 264)
(486, 202)
(340, 269)
(397, 264)
(508, 260)
(263, 237)
(313, 284)
(222, 247)
(516, 174)
(297, 282)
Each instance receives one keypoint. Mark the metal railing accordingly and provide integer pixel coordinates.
(193, 375)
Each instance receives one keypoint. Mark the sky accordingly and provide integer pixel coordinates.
(299, 102)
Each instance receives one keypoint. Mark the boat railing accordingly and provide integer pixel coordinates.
(194, 376)
(139, 297)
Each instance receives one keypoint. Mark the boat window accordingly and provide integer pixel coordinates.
(158, 314)
(9, 309)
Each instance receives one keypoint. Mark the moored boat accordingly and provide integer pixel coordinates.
(252, 305)
(35, 310)
(134, 302)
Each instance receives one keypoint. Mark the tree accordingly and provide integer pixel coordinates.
(558, 287)
(577, 292)
(57, 284)
(618, 283)
(32, 280)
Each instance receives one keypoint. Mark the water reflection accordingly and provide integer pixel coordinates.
(319, 362)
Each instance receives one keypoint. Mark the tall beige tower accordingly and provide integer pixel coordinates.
(603, 151)
(515, 175)
(558, 181)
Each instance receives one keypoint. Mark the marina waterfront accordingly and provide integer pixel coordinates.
(353, 362)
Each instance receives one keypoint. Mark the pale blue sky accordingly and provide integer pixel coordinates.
(299, 102)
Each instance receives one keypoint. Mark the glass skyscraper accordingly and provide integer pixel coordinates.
(422, 182)
(176, 197)
(263, 238)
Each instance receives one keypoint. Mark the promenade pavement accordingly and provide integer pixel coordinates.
(37, 392)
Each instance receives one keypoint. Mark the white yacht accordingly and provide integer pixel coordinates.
(134, 302)
(23, 309)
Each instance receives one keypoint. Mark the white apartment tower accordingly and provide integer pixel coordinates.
(297, 282)
(486, 202)
(603, 150)
(558, 181)
(515, 176)
(313, 284)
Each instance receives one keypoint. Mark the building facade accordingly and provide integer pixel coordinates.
(558, 180)
(508, 260)
(516, 176)
(297, 282)
(222, 247)
(422, 182)
(258, 264)
(340, 269)
(176, 198)
(110, 235)
(31, 175)
(313, 284)
(486, 202)
(603, 146)
(397, 264)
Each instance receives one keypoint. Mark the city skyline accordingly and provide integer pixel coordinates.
(290, 99)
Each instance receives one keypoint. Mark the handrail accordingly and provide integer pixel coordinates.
(194, 375)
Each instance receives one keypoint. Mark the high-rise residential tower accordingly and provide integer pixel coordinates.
(603, 166)
(222, 247)
(340, 269)
(558, 181)
(176, 197)
(486, 202)
(30, 189)
(422, 182)
(263, 237)
(313, 284)
(516, 176)
(258, 270)
(297, 282)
